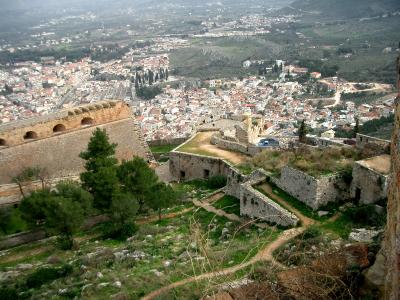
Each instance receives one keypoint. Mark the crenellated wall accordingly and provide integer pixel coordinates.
(29, 130)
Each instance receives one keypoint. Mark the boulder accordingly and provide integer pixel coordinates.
(323, 213)
(363, 235)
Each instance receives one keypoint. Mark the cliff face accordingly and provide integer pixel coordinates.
(391, 245)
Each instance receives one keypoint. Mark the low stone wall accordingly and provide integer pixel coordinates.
(256, 205)
(37, 235)
(225, 144)
(315, 192)
(376, 146)
(176, 141)
(21, 238)
(10, 193)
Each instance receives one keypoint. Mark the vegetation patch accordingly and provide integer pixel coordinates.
(229, 204)
(302, 250)
(284, 197)
(315, 162)
(364, 216)
(162, 149)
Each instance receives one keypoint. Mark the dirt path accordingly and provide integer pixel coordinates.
(304, 220)
(201, 144)
(164, 216)
(219, 212)
(214, 198)
(233, 157)
(263, 255)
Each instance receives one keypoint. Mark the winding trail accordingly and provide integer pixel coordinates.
(206, 205)
(264, 254)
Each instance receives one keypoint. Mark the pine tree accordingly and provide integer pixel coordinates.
(302, 132)
(356, 128)
(151, 77)
(138, 179)
(163, 197)
(100, 178)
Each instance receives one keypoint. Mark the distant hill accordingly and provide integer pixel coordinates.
(345, 9)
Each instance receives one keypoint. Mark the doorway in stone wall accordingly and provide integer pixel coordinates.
(358, 195)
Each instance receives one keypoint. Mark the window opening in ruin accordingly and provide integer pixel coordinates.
(183, 174)
(206, 174)
(3, 143)
(244, 201)
(30, 135)
(59, 128)
(87, 122)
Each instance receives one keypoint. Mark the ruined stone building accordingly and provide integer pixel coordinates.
(54, 142)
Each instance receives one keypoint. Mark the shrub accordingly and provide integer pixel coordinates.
(311, 233)
(45, 275)
(365, 216)
(65, 242)
(216, 182)
(7, 293)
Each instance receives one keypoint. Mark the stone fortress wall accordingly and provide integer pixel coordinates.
(54, 142)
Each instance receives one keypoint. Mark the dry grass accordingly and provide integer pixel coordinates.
(315, 162)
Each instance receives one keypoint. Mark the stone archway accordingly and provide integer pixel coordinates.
(3, 143)
(87, 121)
(59, 128)
(30, 135)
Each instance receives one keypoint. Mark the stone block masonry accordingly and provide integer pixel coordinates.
(256, 205)
(187, 166)
(57, 148)
(315, 192)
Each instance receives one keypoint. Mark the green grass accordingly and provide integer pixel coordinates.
(300, 206)
(229, 204)
(162, 149)
(245, 168)
(358, 217)
(16, 223)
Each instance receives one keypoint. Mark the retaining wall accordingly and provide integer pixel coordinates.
(59, 154)
(254, 204)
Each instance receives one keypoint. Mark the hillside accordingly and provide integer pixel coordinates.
(346, 9)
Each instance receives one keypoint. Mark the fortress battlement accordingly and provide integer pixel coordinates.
(64, 121)
(54, 142)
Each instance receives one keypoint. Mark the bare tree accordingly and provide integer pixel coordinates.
(28, 175)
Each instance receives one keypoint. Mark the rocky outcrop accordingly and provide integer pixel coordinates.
(391, 246)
